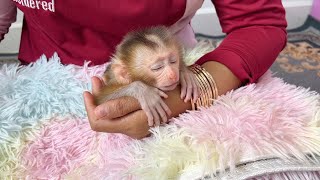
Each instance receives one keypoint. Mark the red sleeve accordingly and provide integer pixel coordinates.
(8, 12)
(256, 34)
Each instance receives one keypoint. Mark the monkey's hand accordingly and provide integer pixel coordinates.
(189, 85)
(151, 102)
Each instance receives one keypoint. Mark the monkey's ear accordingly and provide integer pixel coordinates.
(121, 73)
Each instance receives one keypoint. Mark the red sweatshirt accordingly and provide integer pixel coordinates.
(89, 30)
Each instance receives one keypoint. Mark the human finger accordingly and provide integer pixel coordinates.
(117, 107)
(89, 105)
(104, 125)
(97, 85)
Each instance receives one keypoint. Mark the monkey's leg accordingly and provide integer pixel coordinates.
(150, 99)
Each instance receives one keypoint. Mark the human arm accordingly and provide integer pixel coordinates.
(8, 13)
(124, 116)
(255, 36)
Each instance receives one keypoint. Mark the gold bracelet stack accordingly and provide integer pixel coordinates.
(207, 86)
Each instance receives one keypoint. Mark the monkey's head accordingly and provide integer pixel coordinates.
(150, 55)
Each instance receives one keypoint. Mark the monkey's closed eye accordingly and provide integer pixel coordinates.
(173, 60)
(156, 68)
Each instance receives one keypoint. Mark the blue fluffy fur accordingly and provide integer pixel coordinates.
(28, 94)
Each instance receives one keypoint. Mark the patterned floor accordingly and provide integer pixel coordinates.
(298, 63)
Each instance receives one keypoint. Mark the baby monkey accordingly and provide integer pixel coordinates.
(146, 64)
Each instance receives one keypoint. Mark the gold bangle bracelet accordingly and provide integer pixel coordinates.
(207, 86)
(212, 84)
(203, 95)
(206, 93)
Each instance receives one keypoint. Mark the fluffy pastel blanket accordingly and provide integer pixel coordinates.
(267, 130)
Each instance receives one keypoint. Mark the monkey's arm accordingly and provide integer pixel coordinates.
(132, 121)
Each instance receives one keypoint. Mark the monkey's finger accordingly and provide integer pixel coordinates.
(161, 93)
(149, 115)
(161, 113)
(165, 108)
(189, 89)
(97, 85)
(183, 87)
(195, 89)
(156, 118)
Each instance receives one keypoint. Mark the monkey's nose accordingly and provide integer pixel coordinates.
(173, 77)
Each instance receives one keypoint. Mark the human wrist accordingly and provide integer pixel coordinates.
(175, 103)
(224, 79)
(134, 125)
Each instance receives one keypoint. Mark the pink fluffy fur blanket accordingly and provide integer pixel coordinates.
(267, 130)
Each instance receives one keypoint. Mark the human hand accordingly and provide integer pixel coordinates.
(115, 116)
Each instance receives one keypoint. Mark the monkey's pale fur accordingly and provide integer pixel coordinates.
(129, 73)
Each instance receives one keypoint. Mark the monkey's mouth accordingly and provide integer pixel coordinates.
(170, 87)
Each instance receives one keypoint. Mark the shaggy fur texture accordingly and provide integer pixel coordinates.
(44, 133)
